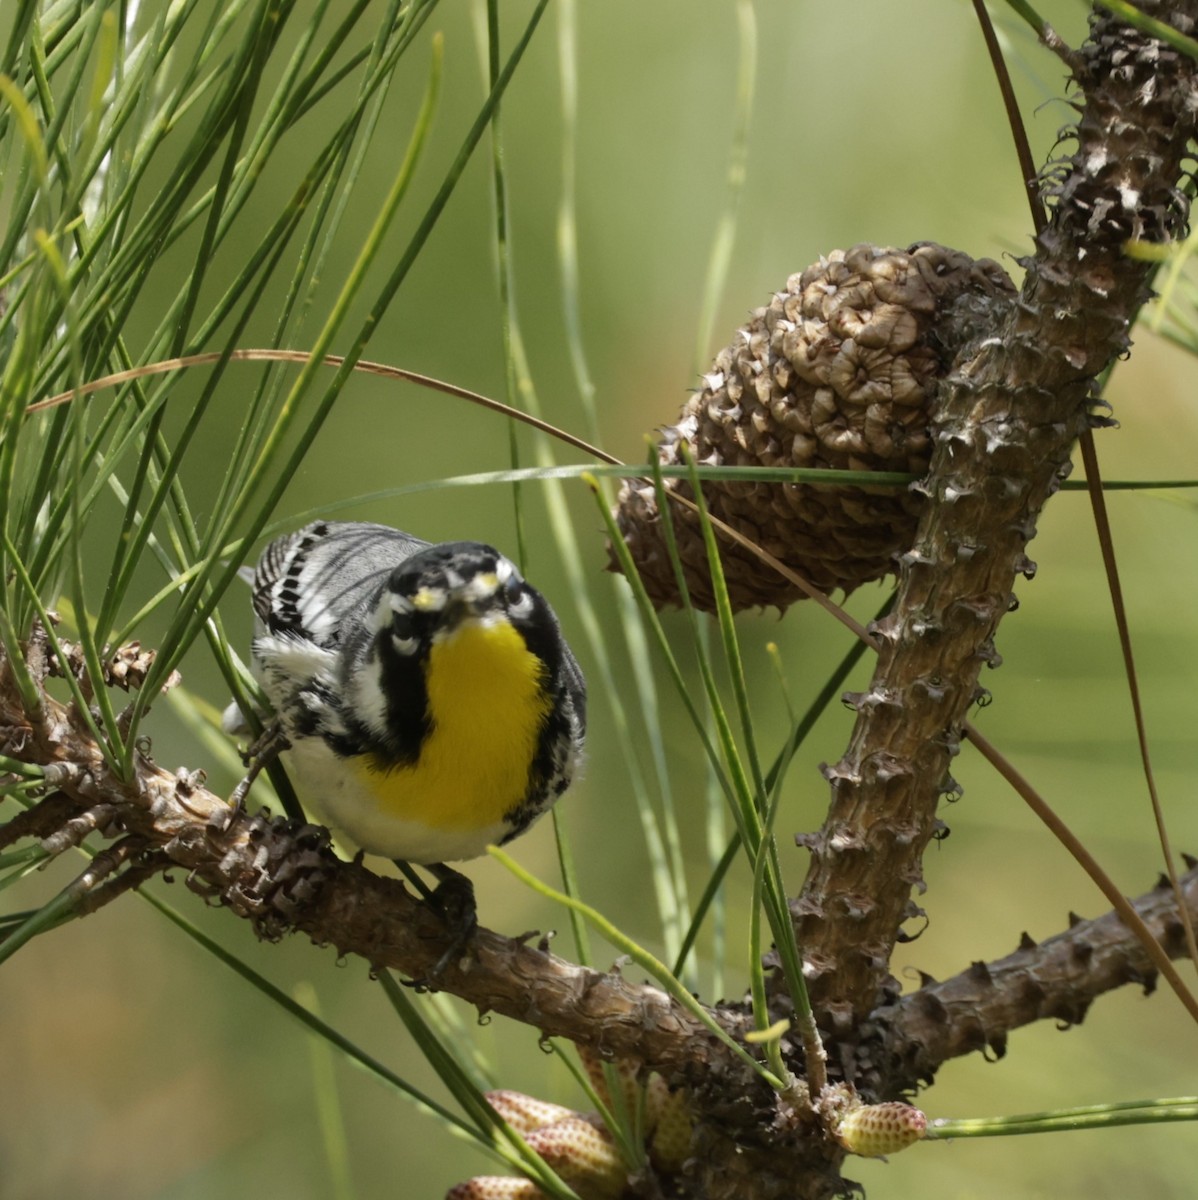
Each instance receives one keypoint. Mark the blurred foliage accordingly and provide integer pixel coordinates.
(143, 1069)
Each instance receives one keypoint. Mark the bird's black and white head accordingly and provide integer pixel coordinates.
(434, 593)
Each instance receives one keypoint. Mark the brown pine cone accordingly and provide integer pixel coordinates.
(839, 371)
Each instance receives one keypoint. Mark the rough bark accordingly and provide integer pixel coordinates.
(1010, 413)
(1054, 980)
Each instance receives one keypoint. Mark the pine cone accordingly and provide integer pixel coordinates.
(839, 371)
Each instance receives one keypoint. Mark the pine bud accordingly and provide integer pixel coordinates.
(873, 1130)
(526, 1113)
(585, 1157)
(669, 1144)
(496, 1187)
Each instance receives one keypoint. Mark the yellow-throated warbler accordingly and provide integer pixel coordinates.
(429, 700)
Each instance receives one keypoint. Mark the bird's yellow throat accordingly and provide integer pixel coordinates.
(488, 701)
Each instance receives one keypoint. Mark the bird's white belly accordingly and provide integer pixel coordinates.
(332, 792)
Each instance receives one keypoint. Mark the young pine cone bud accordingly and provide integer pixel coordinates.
(671, 1126)
(526, 1113)
(585, 1157)
(578, 1148)
(839, 371)
(874, 1130)
(496, 1187)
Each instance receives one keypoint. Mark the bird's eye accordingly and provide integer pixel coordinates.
(519, 599)
(403, 626)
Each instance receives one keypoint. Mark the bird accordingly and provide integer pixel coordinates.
(426, 702)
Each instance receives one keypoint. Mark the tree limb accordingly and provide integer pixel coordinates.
(286, 878)
(1057, 979)
(1008, 416)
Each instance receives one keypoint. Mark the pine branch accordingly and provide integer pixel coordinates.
(1057, 979)
(285, 879)
(1008, 417)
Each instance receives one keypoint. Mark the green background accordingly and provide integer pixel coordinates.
(137, 1067)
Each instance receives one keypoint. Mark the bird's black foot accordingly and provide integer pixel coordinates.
(453, 898)
(453, 902)
(265, 748)
(259, 755)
